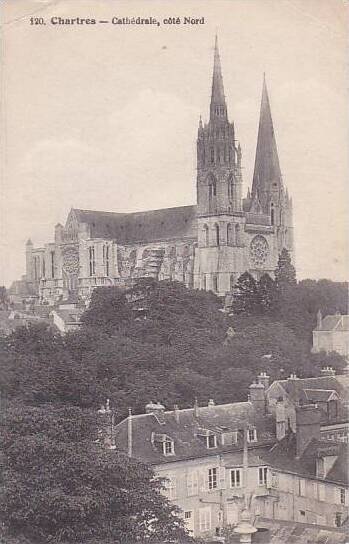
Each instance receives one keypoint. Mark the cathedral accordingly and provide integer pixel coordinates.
(206, 246)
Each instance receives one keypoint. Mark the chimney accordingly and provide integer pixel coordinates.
(327, 371)
(280, 416)
(308, 419)
(176, 412)
(210, 403)
(257, 396)
(157, 409)
(319, 319)
(293, 377)
(263, 378)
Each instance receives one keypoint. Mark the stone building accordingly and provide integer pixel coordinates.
(331, 334)
(329, 392)
(206, 246)
(218, 460)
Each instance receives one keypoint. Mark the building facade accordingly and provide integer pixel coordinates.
(206, 246)
(218, 461)
(331, 334)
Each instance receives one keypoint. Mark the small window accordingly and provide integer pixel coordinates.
(235, 477)
(302, 488)
(342, 496)
(217, 235)
(212, 478)
(211, 441)
(215, 283)
(302, 512)
(262, 475)
(192, 483)
(252, 435)
(187, 515)
(205, 519)
(168, 447)
(171, 487)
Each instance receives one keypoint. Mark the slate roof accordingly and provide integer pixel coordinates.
(147, 226)
(283, 456)
(334, 322)
(291, 532)
(295, 388)
(187, 443)
(319, 395)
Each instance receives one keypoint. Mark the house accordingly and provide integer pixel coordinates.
(331, 334)
(218, 459)
(330, 392)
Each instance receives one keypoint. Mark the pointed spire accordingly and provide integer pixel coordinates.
(217, 96)
(267, 168)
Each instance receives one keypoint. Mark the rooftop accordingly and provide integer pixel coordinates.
(187, 430)
(145, 226)
(334, 322)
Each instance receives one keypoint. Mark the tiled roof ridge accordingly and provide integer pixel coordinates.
(245, 402)
(135, 212)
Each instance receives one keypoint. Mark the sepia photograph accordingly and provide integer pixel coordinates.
(174, 321)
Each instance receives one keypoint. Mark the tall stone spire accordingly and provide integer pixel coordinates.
(217, 94)
(267, 173)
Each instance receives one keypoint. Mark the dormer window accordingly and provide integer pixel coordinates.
(211, 441)
(163, 443)
(252, 435)
(229, 438)
(168, 447)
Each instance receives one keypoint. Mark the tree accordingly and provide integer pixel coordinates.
(266, 293)
(59, 484)
(245, 296)
(285, 272)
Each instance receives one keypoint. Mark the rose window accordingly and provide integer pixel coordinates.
(259, 250)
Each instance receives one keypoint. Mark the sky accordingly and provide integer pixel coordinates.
(105, 116)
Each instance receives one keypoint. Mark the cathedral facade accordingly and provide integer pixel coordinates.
(206, 246)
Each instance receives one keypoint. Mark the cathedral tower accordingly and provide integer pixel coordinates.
(268, 191)
(218, 158)
(219, 188)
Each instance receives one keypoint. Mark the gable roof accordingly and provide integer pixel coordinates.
(295, 387)
(334, 322)
(148, 226)
(320, 395)
(186, 433)
(283, 457)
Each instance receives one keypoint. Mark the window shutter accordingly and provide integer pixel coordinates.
(269, 479)
(221, 477)
(203, 480)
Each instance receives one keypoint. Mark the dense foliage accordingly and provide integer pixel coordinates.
(60, 485)
(157, 341)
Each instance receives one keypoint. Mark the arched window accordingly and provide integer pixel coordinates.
(212, 155)
(92, 261)
(212, 188)
(272, 211)
(232, 281)
(106, 261)
(237, 235)
(207, 237)
(215, 283)
(229, 234)
(204, 284)
(217, 235)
